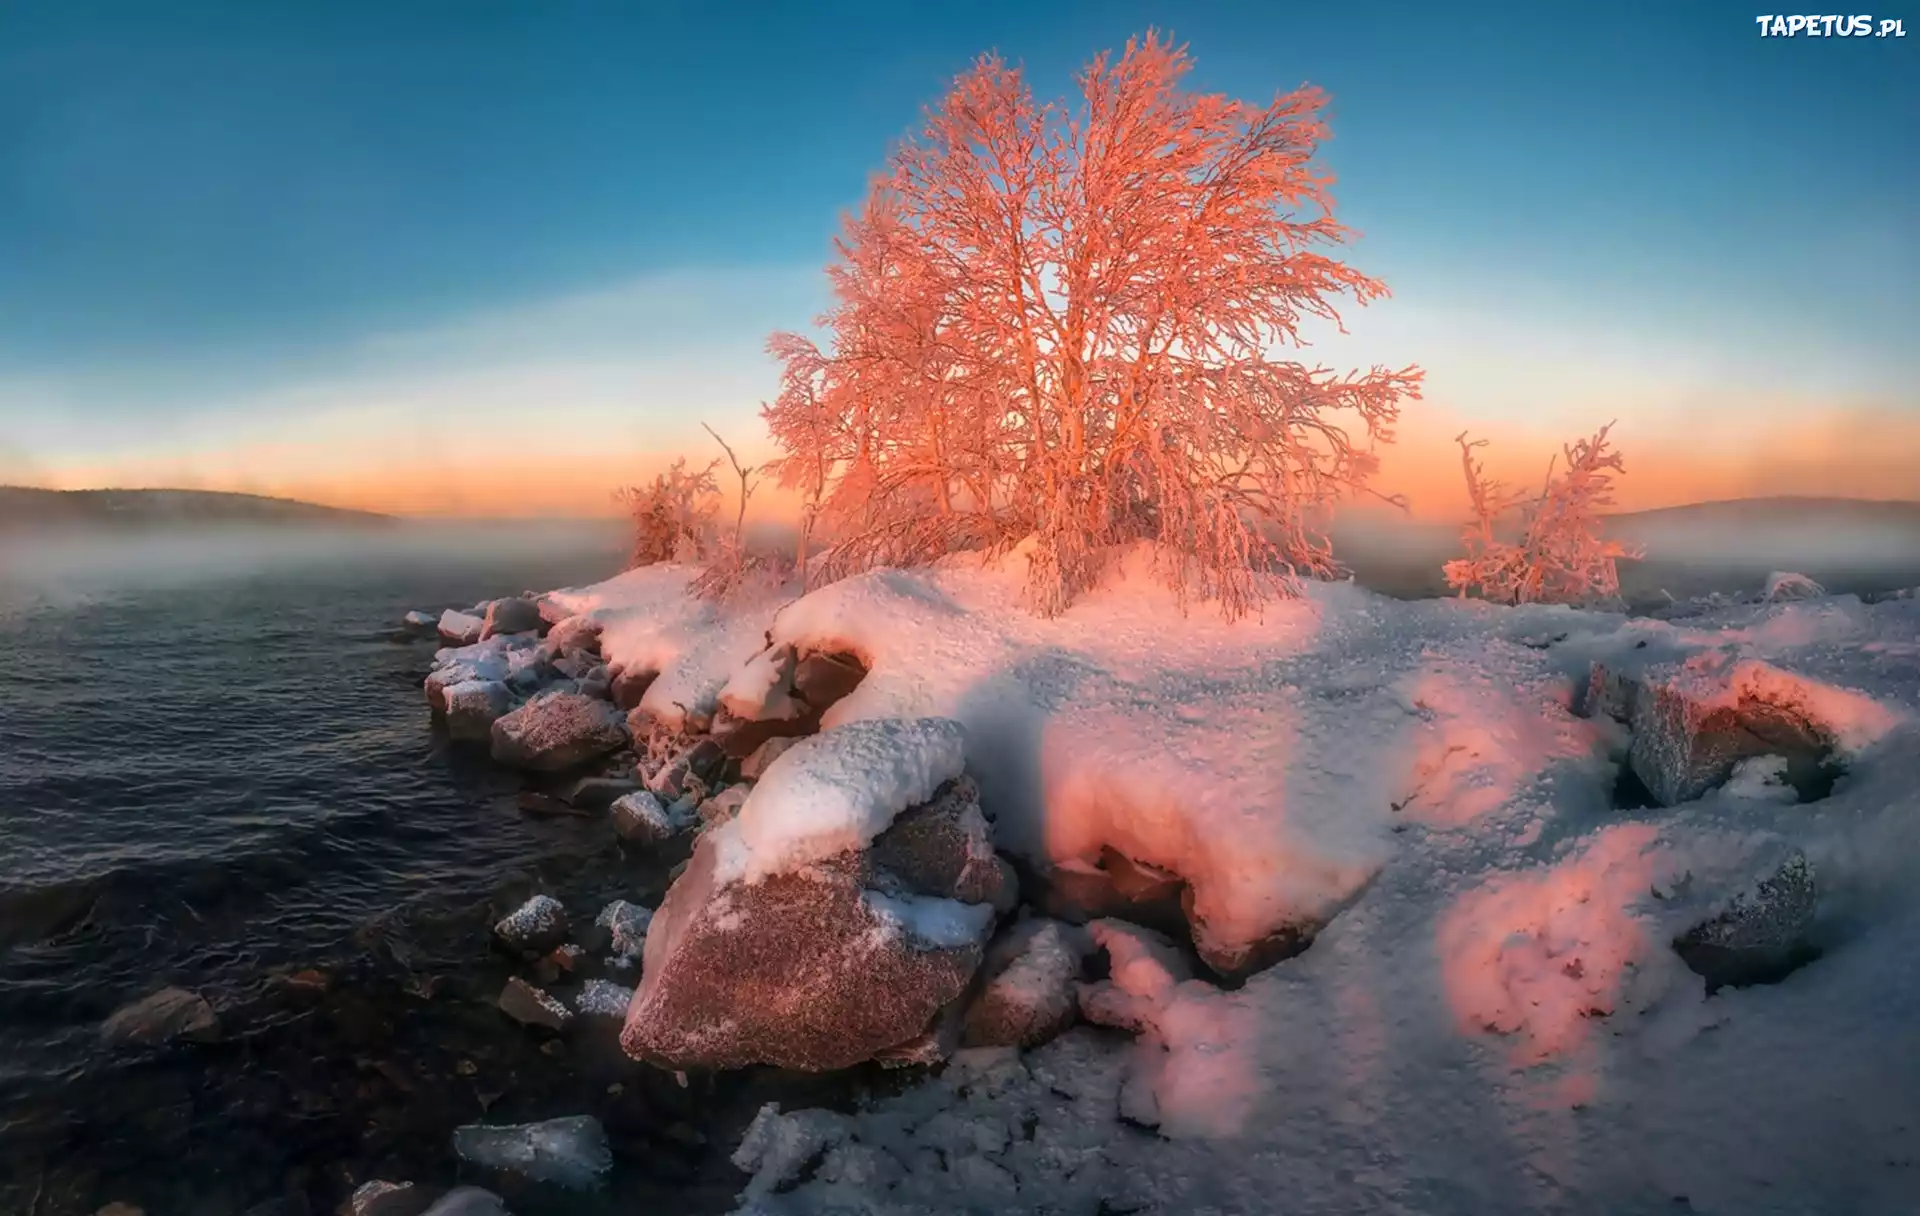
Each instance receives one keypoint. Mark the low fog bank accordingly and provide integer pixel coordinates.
(1852, 547)
(60, 562)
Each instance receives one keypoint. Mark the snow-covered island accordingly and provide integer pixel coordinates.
(1355, 904)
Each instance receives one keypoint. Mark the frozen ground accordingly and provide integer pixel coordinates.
(1492, 1017)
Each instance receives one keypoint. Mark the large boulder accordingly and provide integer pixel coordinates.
(510, 616)
(1692, 725)
(558, 730)
(461, 628)
(823, 965)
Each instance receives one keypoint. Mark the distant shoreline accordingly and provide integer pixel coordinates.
(22, 507)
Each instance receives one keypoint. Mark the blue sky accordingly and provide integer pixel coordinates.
(235, 236)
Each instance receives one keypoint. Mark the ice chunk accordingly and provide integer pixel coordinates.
(838, 790)
(570, 1152)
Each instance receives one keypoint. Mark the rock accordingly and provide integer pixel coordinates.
(603, 999)
(699, 763)
(473, 706)
(456, 671)
(945, 846)
(1690, 730)
(422, 622)
(599, 690)
(572, 666)
(387, 1199)
(557, 731)
(537, 926)
(308, 981)
(569, 1152)
(1231, 959)
(822, 679)
(529, 1006)
(756, 764)
(631, 685)
(639, 817)
(626, 926)
(566, 959)
(1031, 994)
(461, 628)
(469, 1201)
(1783, 585)
(1764, 934)
(576, 633)
(166, 1016)
(723, 805)
(533, 802)
(819, 968)
(510, 616)
(121, 1209)
(777, 1149)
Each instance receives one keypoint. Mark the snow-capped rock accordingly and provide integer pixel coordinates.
(473, 706)
(537, 926)
(557, 731)
(603, 999)
(1031, 993)
(643, 819)
(531, 1006)
(626, 927)
(461, 628)
(787, 917)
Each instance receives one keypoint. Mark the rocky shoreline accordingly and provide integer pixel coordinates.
(896, 954)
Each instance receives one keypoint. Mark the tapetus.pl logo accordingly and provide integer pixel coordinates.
(1860, 25)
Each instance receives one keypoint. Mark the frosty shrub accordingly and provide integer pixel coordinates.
(733, 570)
(1560, 557)
(1063, 323)
(674, 518)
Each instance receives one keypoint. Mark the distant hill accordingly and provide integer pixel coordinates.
(1848, 544)
(24, 508)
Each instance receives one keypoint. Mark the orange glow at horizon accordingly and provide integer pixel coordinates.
(1859, 453)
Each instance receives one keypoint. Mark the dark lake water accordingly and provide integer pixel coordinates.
(217, 769)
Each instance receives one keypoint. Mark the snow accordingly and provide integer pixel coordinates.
(759, 691)
(650, 623)
(836, 791)
(939, 924)
(1493, 1017)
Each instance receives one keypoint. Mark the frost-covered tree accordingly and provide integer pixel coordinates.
(674, 517)
(1561, 556)
(1068, 324)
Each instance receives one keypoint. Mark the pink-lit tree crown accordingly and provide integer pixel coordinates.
(1063, 324)
(1561, 556)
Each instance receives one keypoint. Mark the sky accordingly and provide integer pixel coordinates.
(495, 258)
